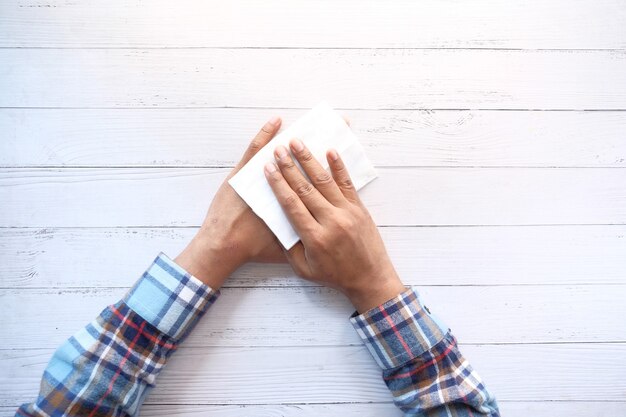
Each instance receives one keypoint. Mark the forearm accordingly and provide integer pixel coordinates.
(209, 259)
(422, 365)
(108, 367)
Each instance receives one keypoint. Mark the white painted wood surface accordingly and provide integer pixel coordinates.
(499, 130)
(314, 316)
(499, 255)
(526, 372)
(215, 137)
(508, 408)
(299, 78)
(400, 196)
(589, 24)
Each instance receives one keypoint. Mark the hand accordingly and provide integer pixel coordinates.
(232, 234)
(340, 245)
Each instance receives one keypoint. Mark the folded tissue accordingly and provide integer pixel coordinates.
(320, 129)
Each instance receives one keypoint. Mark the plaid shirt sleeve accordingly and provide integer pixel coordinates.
(422, 365)
(108, 367)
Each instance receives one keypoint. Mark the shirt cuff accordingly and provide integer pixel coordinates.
(170, 298)
(399, 330)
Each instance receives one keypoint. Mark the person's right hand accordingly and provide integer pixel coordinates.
(340, 245)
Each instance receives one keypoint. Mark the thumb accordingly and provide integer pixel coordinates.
(267, 132)
(296, 256)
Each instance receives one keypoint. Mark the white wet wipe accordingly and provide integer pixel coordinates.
(320, 129)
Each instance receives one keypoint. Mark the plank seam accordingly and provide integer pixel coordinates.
(307, 108)
(314, 48)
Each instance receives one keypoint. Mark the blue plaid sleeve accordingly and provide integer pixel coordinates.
(169, 298)
(422, 365)
(108, 367)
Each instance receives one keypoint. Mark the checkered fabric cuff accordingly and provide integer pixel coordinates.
(399, 330)
(169, 298)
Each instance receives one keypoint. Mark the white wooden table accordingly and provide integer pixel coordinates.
(499, 130)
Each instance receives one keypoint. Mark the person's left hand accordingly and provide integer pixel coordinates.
(232, 234)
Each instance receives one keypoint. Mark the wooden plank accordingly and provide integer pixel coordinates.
(561, 408)
(400, 196)
(216, 137)
(348, 23)
(319, 316)
(347, 374)
(508, 408)
(359, 79)
(71, 257)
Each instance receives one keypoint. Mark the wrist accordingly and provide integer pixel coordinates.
(377, 290)
(207, 260)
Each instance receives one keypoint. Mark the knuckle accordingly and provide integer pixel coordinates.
(346, 223)
(304, 189)
(323, 178)
(339, 168)
(274, 178)
(346, 183)
(254, 146)
(306, 156)
(288, 164)
(290, 201)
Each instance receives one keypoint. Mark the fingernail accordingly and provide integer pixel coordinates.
(274, 120)
(333, 154)
(270, 167)
(297, 145)
(281, 152)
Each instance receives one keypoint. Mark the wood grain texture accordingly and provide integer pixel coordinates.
(65, 258)
(347, 374)
(216, 137)
(359, 79)
(105, 107)
(508, 408)
(400, 196)
(348, 23)
(319, 316)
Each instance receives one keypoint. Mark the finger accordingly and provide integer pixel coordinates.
(310, 196)
(319, 177)
(297, 213)
(347, 120)
(261, 139)
(297, 259)
(341, 176)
